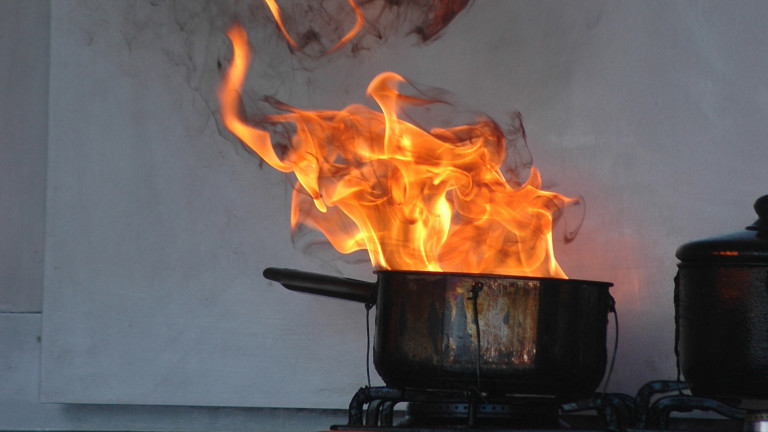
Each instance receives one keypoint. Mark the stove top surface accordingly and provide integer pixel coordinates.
(577, 425)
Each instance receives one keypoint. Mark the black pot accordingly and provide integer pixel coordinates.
(538, 336)
(721, 312)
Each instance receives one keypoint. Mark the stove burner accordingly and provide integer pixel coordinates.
(467, 410)
(524, 413)
(656, 415)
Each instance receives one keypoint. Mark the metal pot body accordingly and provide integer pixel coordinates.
(722, 325)
(537, 336)
(721, 312)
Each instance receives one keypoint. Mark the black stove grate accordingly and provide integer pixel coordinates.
(658, 405)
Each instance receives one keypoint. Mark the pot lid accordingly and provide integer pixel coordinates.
(748, 246)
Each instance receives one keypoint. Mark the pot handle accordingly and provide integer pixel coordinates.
(324, 285)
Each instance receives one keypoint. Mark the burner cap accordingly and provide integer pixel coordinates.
(756, 422)
(529, 413)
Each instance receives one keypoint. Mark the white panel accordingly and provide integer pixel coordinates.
(158, 232)
(20, 408)
(159, 228)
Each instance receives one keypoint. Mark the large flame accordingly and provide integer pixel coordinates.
(415, 200)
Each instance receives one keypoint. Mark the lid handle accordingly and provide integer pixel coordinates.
(761, 208)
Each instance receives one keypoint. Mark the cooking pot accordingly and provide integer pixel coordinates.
(721, 312)
(537, 336)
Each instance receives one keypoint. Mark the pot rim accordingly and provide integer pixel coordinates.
(491, 276)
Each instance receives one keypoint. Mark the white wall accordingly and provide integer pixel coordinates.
(159, 229)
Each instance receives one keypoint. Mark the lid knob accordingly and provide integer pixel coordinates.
(761, 208)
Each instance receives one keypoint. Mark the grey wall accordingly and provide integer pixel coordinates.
(159, 226)
(24, 60)
(24, 43)
(24, 65)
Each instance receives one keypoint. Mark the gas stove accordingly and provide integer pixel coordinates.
(658, 405)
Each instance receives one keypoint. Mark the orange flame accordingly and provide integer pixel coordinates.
(415, 200)
(359, 22)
